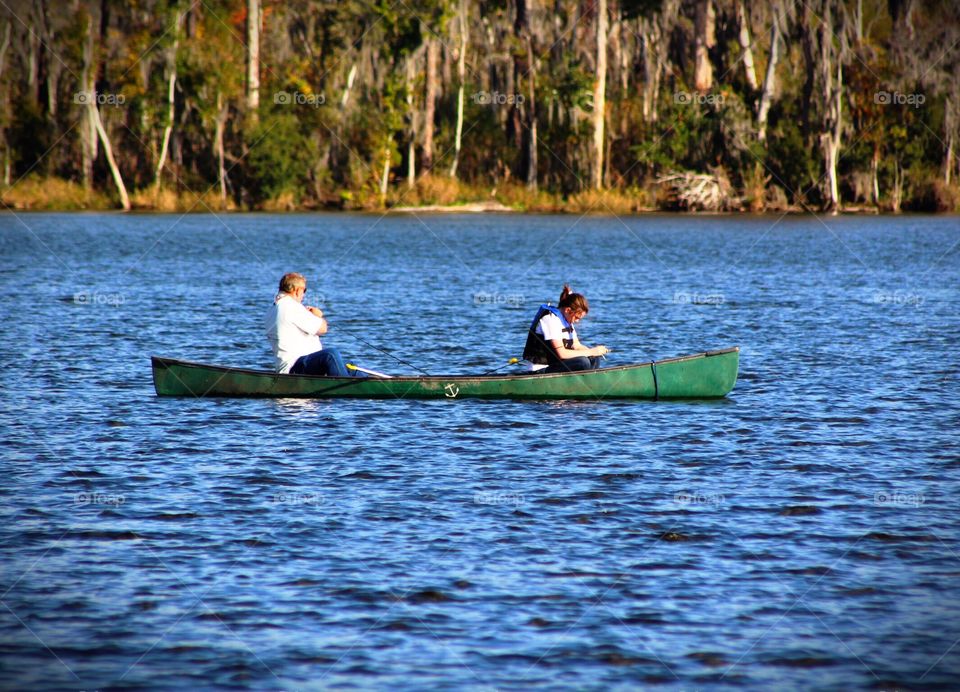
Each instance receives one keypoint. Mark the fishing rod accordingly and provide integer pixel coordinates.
(382, 350)
(400, 360)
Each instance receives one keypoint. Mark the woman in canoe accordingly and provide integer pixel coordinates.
(294, 331)
(552, 343)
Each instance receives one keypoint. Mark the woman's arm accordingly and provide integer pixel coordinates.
(565, 353)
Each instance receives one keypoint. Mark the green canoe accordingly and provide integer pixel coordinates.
(700, 376)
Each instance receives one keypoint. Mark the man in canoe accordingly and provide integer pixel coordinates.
(552, 343)
(294, 331)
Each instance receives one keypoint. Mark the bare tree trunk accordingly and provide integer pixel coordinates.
(948, 160)
(8, 26)
(532, 117)
(704, 39)
(832, 120)
(744, 36)
(616, 50)
(858, 21)
(874, 177)
(6, 90)
(949, 118)
(599, 96)
(88, 126)
(621, 44)
(220, 121)
(108, 150)
(254, 17)
(429, 108)
(526, 137)
(51, 66)
(171, 100)
(384, 179)
(461, 78)
(810, 70)
(93, 111)
(351, 76)
(652, 66)
(835, 140)
(33, 64)
(770, 79)
(412, 115)
(896, 195)
(654, 38)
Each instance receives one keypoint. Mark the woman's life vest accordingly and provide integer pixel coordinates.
(537, 349)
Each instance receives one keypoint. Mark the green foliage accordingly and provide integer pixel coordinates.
(571, 86)
(793, 163)
(280, 157)
(681, 141)
(350, 58)
(29, 138)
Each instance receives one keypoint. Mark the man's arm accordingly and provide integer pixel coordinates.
(308, 320)
(317, 312)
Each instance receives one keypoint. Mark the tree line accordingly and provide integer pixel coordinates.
(688, 104)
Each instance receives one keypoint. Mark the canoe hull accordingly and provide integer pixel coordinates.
(700, 376)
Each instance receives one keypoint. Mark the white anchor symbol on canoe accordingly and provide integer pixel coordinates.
(451, 390)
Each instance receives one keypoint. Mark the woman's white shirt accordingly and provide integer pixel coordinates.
(551, 328)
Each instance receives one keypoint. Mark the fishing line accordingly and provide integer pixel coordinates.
(382, 350)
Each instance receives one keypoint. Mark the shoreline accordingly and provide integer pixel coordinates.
(476, 209)
(438, 195)
(431, 196)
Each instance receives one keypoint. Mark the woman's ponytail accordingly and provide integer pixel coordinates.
(569, 299)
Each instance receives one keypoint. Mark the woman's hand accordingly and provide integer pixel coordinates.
(599, 351)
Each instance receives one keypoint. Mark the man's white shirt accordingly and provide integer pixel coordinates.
(292, 331)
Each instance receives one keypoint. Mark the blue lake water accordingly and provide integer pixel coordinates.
(801, 533)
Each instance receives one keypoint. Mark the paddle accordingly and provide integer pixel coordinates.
(351, 366)
(512, 361)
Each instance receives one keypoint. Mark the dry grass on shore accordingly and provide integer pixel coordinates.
(628, 201)
(52, 194)
(436, 192)
(166, 200)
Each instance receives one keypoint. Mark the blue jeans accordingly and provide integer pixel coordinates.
(325, 362)
(574, 364)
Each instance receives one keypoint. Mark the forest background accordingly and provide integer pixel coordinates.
(609, 106)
